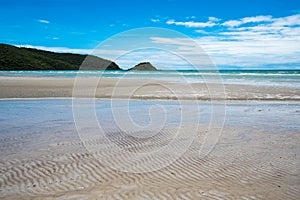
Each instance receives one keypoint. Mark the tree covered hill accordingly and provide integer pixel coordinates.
(20, 58)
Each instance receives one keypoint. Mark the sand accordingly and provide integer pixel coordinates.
(258, 168)
(44, 157)
(34, 87)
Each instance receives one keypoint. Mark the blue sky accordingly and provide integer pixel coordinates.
(239, 34)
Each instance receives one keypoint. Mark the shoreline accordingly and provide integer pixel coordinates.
(158, 99)
(139, 89)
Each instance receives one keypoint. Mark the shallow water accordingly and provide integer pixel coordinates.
(41, 115)
(288, 78)
(42, 156)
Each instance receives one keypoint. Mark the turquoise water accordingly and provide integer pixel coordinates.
(289, 78)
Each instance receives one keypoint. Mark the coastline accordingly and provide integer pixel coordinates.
(251, 151)
(122, 88)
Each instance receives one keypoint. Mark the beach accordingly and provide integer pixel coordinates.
(150, 100)
(36, 87)
(118, 138)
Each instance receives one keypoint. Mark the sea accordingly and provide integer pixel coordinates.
(285, 78)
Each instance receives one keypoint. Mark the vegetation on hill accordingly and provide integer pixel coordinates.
(144, 66)
(19, 58)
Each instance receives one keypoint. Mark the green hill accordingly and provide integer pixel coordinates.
(144, 66)
(19, 58)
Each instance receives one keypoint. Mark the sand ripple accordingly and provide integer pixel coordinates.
(235, 169)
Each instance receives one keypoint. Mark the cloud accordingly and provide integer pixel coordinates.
(155, 20)
(192, 24)
(44, 21)
(201, 31)
(261, 41)
(213, 19)
(292, 20)
(246, 50)
(172, 41)
(261, 18)
(245, 20)
(232, 23)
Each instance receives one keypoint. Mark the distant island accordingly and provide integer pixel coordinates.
(21, 58)
(144, 66)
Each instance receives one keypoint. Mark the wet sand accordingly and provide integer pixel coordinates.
(46, 155)
(265, 166)
(35, 87)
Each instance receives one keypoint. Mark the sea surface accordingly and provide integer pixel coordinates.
(285, 78)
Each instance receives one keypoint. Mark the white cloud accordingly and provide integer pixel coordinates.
(270, 41)
(173, 41)
(155, 20)
(201, 31)
(213, 19)
(293, 20)
(250, 50)
(261, 18)
(192, 24)
(44, 21)
(232, 23)
(245, 20)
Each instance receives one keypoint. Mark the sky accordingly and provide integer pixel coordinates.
(249, 34)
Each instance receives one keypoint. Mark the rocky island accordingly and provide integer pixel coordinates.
(144, 66)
